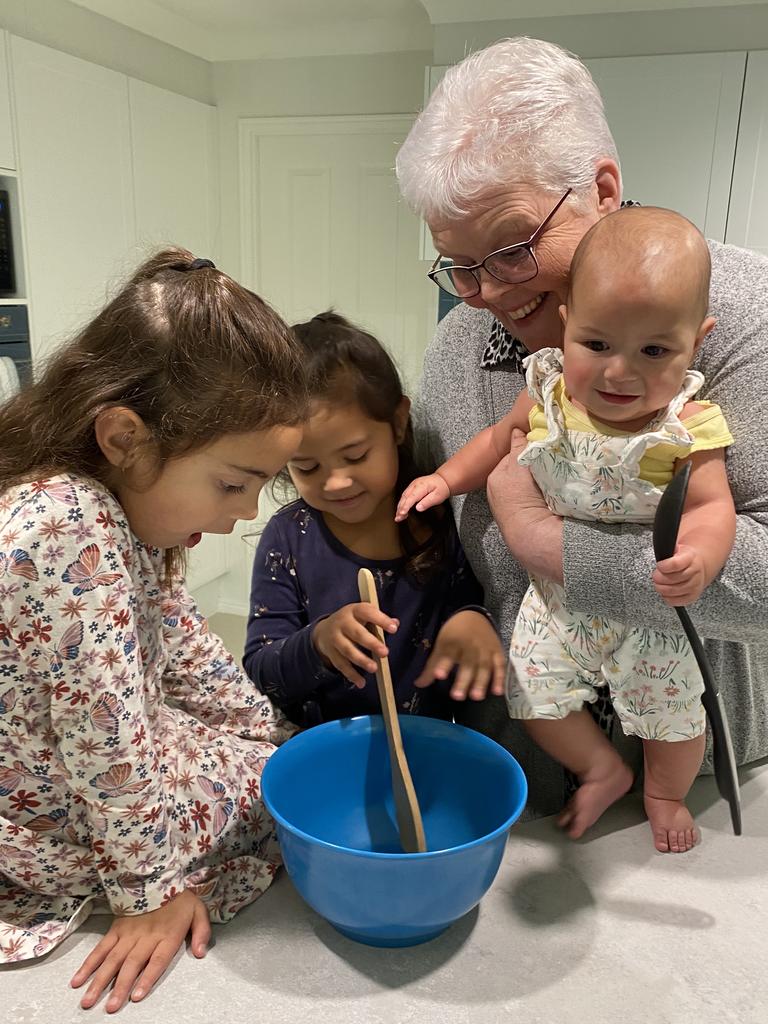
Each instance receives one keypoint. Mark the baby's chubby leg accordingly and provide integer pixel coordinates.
(578, 743)
(670, 769)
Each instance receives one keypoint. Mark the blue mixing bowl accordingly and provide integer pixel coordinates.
(329, 790)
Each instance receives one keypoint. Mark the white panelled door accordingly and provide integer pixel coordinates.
(323, 225)
(75, 163)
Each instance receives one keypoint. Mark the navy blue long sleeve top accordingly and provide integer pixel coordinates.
(301, 574)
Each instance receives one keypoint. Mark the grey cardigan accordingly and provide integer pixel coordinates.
(607, 568)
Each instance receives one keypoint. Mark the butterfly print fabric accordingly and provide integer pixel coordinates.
(131, 745)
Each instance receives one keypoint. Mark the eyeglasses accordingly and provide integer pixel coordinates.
(513, 264)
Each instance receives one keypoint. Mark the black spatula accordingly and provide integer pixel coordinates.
(665, 528)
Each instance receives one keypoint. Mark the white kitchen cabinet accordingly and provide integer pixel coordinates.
(173, 148)
(175, 172)
(748, 213)
(112, 168)
(77, 189)
(675, 119)
(7, 148)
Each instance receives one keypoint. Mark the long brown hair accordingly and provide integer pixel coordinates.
(192, 352)
(346, 364)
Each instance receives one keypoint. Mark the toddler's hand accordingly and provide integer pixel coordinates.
(469, 642)
(338, 639)
(423, 492)
(141, 947)
(682, 578)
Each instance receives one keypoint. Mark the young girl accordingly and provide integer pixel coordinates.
(308, 645)
(609, 420)
(131, 747)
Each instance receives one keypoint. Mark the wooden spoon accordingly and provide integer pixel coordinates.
(409, 821)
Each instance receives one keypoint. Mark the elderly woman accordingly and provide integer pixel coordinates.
(509, 164)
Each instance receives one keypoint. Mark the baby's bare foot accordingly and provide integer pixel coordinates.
(671, 824)
(594, 796)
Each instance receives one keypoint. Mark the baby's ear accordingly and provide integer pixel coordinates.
(118, 432)
(706, 326)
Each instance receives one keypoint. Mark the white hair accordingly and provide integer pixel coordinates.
(520, 111)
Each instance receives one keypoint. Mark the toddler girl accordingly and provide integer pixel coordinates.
(308, 645)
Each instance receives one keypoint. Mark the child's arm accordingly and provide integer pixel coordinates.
(90, 674)
(467, 641)
(707, 532)
(471, 466)
(287, 654)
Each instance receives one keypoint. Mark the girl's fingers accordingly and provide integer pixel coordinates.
(156, 967)
(201, 931)
(481, 682)
(94, 959)
(498, 685)
(438, 667)
(129, 971)
(367, 614)
(104, 976)
(357, 647)
(345, 667)
(463, 681)
(358, 635)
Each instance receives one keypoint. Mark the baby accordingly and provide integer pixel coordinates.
(609, 421)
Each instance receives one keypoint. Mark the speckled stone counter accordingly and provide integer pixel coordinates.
(595, 932)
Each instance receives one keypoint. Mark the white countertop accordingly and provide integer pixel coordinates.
(601, 931)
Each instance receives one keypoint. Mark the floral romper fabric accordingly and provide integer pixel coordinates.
(131, 746)
(586, 470)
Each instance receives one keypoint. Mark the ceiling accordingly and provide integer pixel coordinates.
(250, 29)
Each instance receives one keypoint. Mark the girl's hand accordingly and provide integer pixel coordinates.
(467, 641)
(423, 492)
(682, 578)
(142, 947)
(338, 639)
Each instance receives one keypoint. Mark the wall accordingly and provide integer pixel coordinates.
(80, 32)
(637, 33)
(387, 83)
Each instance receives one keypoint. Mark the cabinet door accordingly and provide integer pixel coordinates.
(748, 213)
(7, 151)
(177, 203)
(174, 170)
(74, 150)
(675, 119)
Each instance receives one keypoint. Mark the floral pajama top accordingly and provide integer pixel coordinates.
(131, 745)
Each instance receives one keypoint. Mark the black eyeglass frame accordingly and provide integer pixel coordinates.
(434, 270)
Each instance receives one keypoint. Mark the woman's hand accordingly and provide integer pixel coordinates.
(136, 951)
(469, 643)
(424, 492)
(533, 534)
(338, 639)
